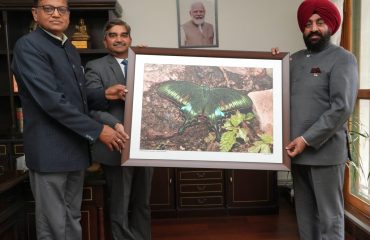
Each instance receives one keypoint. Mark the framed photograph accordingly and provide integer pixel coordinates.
(207, 109)
(197, 23)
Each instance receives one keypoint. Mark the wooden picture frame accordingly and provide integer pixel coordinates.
(207, 109)
(197, 23)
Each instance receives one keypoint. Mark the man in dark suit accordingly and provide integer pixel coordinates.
(128, 186)
(324, 82)
(57, 129)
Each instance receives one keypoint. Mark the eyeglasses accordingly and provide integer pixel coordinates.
(48, 9)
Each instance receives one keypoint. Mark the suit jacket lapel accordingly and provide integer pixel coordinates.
(116, 69)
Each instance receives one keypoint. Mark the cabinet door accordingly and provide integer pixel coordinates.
(92, 210)
(89, 222)
(251, 191)
(162, 200)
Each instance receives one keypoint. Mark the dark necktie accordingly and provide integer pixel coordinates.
(124, 62)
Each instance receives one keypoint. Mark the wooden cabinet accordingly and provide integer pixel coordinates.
(162, 199)
(12, 215)
(251, 191)
(219, 191)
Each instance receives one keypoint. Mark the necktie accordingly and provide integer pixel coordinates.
(125, 62)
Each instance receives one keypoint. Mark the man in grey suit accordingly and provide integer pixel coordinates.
(324, 83)
(127, 186)
(57, 129)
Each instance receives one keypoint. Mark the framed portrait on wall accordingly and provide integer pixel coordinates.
(197, 23)
(207, 109)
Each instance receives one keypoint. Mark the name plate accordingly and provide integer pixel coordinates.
(80, 43)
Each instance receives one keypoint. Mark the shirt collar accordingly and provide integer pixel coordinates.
(119, 60)
(63, 40)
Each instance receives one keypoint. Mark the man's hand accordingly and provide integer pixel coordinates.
(275, 51)
(116, 92)
(121, 130)
(295, 147)
(112, 139)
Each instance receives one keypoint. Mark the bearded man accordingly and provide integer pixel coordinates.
(197, 32)
(324, 83)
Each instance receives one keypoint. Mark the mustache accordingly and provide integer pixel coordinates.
(119, 44)
(314, 34)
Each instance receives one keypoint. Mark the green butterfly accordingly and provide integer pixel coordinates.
(198, 101)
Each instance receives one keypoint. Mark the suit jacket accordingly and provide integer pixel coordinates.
(103, 73)
(57, 128)
(323, 94)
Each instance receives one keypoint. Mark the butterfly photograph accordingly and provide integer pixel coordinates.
(210, 111)
(207, 109)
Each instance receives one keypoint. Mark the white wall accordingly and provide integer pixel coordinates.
(254, 25)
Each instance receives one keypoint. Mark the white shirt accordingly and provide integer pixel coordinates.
(119, 60)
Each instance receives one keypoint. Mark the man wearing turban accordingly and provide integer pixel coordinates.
(324, 83)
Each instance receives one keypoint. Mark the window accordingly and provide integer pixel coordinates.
(358, 191)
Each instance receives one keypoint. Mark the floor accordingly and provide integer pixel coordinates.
(280, 226)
